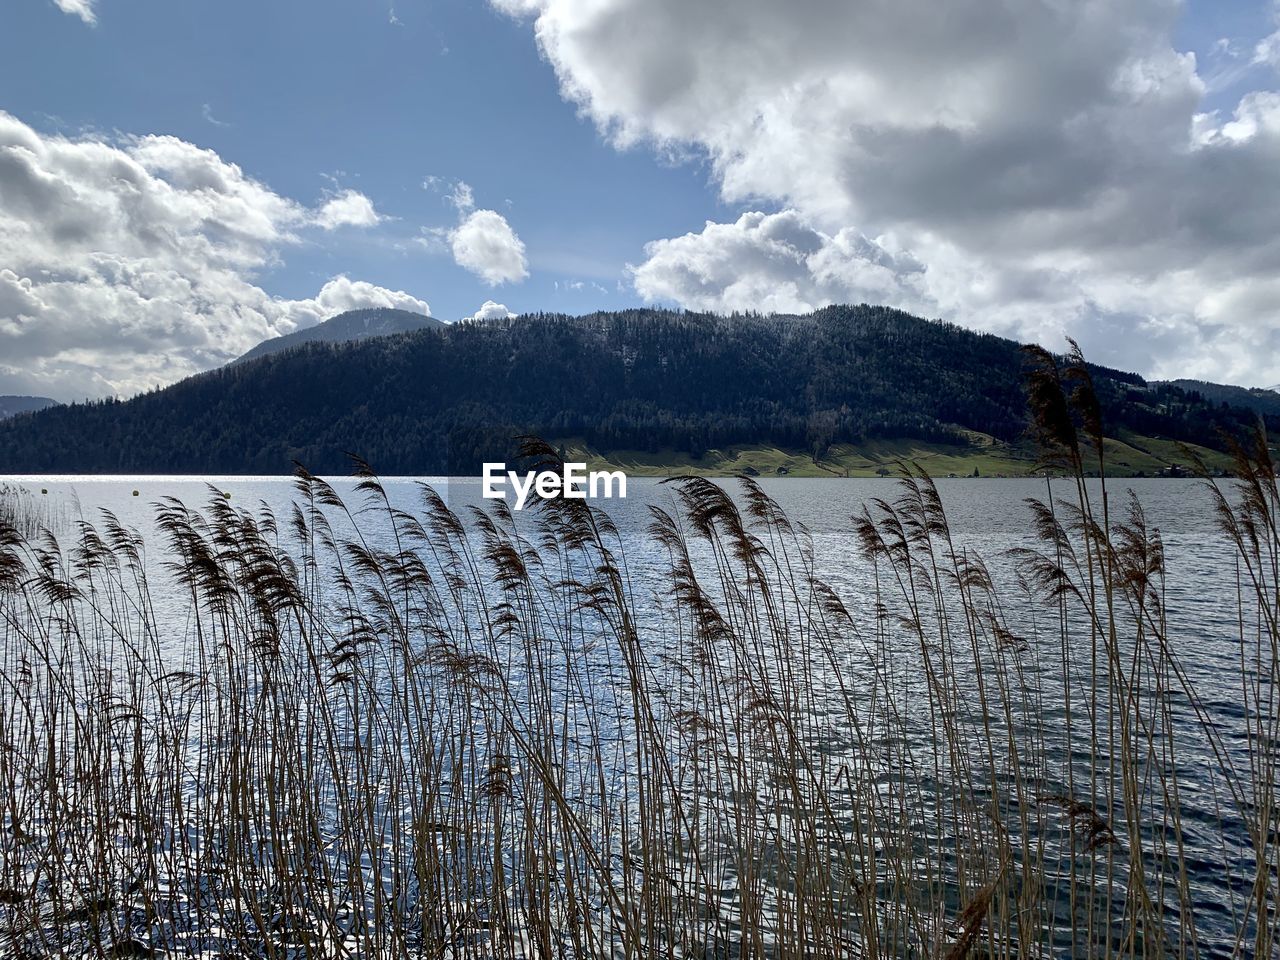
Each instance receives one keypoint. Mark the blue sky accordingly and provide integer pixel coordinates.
(179, 180)
(299, 91)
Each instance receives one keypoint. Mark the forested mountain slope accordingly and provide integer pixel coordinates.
(444, 400)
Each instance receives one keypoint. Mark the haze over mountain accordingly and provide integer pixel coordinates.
(10, 405)
(447, 398)
(351, 325)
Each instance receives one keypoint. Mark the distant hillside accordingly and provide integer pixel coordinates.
(1254, 398)
(352, 325)
(11, 405)
(661, 384)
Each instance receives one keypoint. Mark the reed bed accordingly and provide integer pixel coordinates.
(22, 511)
(364, 731)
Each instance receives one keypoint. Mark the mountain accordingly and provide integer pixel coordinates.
(352, 325)
(13, 405)
(1252, 398)
(665, 384)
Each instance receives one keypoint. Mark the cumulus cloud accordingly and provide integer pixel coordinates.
(1044, 167)
(491, 311)
(350, 208)
(78, 8)
(775, 263)
(131, 263)
(484, 243)
(341, 294)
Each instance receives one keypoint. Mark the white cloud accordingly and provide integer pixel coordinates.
(206, 111)
(131, 263)
(491, 311)
(578, 286)
(457, 193)
(1268, 51)
(775, 263)
(462, 198)
(484, 243)
(350, 208)
(1050, 166)
(481, 242)
(342, 294)
(78, 8)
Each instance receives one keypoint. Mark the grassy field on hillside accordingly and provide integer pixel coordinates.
(1129, 455)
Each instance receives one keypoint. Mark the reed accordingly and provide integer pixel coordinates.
(359, 730)
(22, 511)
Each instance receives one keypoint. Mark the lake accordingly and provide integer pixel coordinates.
(988, 515)
(921, 699)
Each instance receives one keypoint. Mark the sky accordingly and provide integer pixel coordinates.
(179, 181)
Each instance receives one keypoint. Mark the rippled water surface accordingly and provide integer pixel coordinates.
(990, 516)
